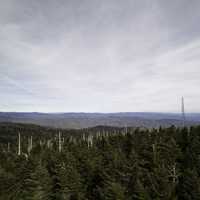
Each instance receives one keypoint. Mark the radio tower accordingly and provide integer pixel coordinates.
(183, 111)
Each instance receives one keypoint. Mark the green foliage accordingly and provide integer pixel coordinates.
(102, 163)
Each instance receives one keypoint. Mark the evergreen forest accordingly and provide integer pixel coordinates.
(100, 163)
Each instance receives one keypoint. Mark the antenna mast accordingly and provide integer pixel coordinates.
(183, 110)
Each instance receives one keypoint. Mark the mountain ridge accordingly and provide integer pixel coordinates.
(85, 120)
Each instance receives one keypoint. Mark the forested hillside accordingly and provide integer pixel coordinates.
(101, 163)
(85, 120)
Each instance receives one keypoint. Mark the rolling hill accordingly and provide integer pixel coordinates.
(84, 120)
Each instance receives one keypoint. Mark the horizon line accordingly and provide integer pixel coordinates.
(119, 112)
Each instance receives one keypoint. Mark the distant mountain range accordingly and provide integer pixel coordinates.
(85, 120)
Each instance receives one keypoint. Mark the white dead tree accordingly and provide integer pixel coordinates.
(19, 144)
(173, 173)
(48, 144)
(90, 140)
(8, 147)
(70, 139)
(30, 144)
(59, 142)
(126, 130)
(154, 153)
(83, 137)
(63, 141)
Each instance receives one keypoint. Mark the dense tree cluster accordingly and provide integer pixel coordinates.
(101, 163)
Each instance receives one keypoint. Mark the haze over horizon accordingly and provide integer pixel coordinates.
(99, 56)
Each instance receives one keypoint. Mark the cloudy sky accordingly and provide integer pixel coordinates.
(99, 55)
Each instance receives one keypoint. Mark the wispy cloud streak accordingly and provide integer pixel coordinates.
(99, 56)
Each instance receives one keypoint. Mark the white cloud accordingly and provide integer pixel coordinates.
(97, 56)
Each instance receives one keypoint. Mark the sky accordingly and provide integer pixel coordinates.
(99, 55)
